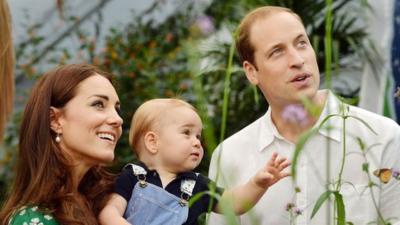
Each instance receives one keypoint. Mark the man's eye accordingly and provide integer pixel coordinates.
(302, 44)
(276, 52)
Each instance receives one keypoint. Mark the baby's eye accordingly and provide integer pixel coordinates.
(186, 132)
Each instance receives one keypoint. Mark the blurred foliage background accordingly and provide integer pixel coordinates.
(186, 56)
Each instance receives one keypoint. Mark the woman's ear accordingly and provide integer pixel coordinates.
(150, 142)
(54, 120)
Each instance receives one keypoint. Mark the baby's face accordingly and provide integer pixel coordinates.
(179, 142)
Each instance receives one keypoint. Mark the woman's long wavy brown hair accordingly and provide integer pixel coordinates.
(6, 66)
(43, 177)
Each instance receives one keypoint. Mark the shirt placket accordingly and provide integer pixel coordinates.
(301, 196)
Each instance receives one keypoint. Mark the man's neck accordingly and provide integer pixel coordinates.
(290, 129)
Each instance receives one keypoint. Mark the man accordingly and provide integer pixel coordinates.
(277, 57)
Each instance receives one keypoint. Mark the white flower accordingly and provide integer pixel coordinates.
(34, 208)
(22, 212)
(35, 221)
(48, 217)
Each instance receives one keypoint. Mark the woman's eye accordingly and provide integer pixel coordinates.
(118, 109)
(98, 104)
(186, 132)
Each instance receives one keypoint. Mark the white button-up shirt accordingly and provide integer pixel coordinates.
(238, 158)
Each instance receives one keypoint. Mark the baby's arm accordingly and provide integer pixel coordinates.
(246, 196)
(113, 212)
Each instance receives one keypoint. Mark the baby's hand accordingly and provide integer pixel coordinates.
(272, 172)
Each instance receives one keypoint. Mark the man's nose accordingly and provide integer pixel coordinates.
(296, 58)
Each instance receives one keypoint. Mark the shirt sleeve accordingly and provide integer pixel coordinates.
(390, 192)
(31, 215)
(125, 183)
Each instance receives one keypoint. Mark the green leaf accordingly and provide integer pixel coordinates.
(365, 167)
(341, 213)
(324, 196)
(361, 143)
(197, 196)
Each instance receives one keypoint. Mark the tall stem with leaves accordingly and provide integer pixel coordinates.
(328, 60)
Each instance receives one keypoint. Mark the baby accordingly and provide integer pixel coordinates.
(165, 135)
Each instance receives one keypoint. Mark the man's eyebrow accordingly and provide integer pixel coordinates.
(299, 36)
(277, 45)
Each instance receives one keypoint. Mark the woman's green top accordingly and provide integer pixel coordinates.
(31, 216)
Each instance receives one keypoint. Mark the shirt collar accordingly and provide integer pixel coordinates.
(183, 175)
(331, 128)
(267, 131)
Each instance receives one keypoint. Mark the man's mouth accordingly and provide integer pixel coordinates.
(300, 77)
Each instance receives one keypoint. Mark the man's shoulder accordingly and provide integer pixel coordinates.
(373, 119)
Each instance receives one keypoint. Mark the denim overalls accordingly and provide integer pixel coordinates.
(152, 205)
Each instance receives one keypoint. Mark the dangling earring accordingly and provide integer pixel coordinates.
(58, 139)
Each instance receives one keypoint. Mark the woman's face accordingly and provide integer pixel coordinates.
(89, 124)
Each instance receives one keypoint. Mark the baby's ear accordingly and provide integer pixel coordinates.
(150, 142)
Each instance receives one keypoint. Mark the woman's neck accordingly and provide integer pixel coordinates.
(78, 172)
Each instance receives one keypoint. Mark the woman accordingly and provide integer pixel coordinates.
(69, 131)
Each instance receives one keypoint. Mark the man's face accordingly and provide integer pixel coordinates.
(285, 64)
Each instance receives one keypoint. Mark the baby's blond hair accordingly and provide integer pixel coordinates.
(148, 116)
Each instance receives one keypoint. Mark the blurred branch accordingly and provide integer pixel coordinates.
(64, 34)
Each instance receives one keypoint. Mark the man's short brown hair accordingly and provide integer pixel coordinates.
(244, 47)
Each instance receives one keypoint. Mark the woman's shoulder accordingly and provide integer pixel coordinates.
(32, 216)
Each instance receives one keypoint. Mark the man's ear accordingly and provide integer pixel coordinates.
(150, 142)
(251, 72)
(55, 119)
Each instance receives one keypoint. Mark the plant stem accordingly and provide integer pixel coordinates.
(328, 60)
(227, 90)
(339, 182)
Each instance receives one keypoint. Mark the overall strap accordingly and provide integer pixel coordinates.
(187, 186)
(140, 173)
